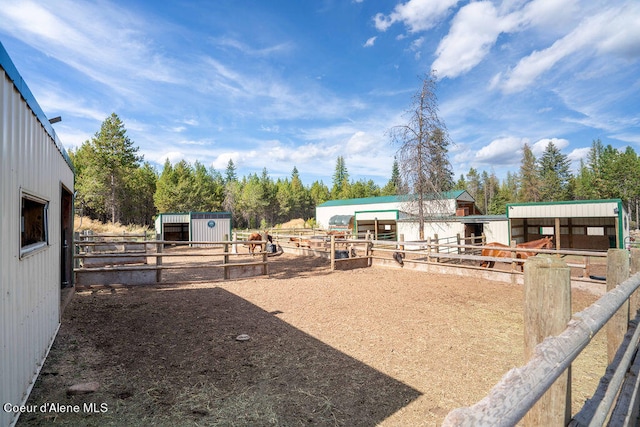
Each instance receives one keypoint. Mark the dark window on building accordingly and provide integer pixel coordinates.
(33, 223)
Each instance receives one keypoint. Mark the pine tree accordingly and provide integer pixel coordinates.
(394, 185)
(340, 189)
(529, 180)
(230, 172)
(554, 174)
(107, 162)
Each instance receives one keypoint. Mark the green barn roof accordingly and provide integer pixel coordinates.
(386, 199)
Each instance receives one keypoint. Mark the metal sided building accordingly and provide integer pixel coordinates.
(36, 231)
(194, 226)
(577, 224)
(381, 216)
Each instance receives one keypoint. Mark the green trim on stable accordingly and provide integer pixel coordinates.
(448, 195)
(195, 213)
(564, 202)
(620, 226)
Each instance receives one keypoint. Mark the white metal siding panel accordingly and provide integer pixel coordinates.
(29, 287)
(158, 225)
(443, 229)
(175, 218)
(384, 215)
(497, 231)
(201, 232)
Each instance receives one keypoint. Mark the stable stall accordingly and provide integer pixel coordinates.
(576, 224)
(381, 225)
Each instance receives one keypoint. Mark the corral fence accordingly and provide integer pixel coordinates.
(457, 251)
(539, 393)
(105, 259)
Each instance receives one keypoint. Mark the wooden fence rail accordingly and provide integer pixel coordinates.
(519, 390)
(114, 261)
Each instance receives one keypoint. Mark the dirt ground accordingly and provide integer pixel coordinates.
(363, 347)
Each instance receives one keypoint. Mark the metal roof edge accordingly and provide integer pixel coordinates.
(566, 202)
(453, 194)
(12, 72)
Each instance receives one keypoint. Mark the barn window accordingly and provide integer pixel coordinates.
(547, 231)
(595, 231)
(33, 223)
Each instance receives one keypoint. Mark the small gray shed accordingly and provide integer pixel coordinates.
(194, 226)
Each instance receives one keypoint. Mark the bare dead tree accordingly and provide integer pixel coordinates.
(423, 155)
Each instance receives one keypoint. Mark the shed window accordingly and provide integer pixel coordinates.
(33, 223)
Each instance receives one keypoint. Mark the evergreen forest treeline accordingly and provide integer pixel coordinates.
(114, 183)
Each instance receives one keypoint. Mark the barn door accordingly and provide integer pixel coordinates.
(66, 238)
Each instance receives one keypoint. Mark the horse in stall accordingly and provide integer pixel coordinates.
(504, 251)
(257, 237)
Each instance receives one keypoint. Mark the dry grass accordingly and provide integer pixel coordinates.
(85, 223)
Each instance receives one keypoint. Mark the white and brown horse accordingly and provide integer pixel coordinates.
(498, 250)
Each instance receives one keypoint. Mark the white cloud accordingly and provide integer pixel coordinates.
(502, 151)
(474, 31)
(222, 160)
(538, 147)
(612, 31)
(249, 50)
(370, 41)
(578, 154)
(417, 15)
(103, 41)
(633, 138)
(173, 157)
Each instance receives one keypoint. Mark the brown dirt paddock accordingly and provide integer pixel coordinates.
(363, 347)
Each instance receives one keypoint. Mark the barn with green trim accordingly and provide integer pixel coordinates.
(387, 217)
(575, 224)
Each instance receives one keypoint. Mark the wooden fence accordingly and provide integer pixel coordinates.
(455, 251)
(540, 391)
(105, 259)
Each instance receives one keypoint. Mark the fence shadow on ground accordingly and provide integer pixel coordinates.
(169, 356)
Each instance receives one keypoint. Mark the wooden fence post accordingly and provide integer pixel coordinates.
(225, 258)
(634, 301)
(617, 272)
(547, 310)
(514, 255)
(333, 252)
(76, 250)
(234, 246)
(265, 268)
(159, 247)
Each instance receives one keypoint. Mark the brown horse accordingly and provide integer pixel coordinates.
(504, 251)
(544, 243)
(257, 237)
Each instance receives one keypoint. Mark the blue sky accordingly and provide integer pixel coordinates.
(279, 84)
